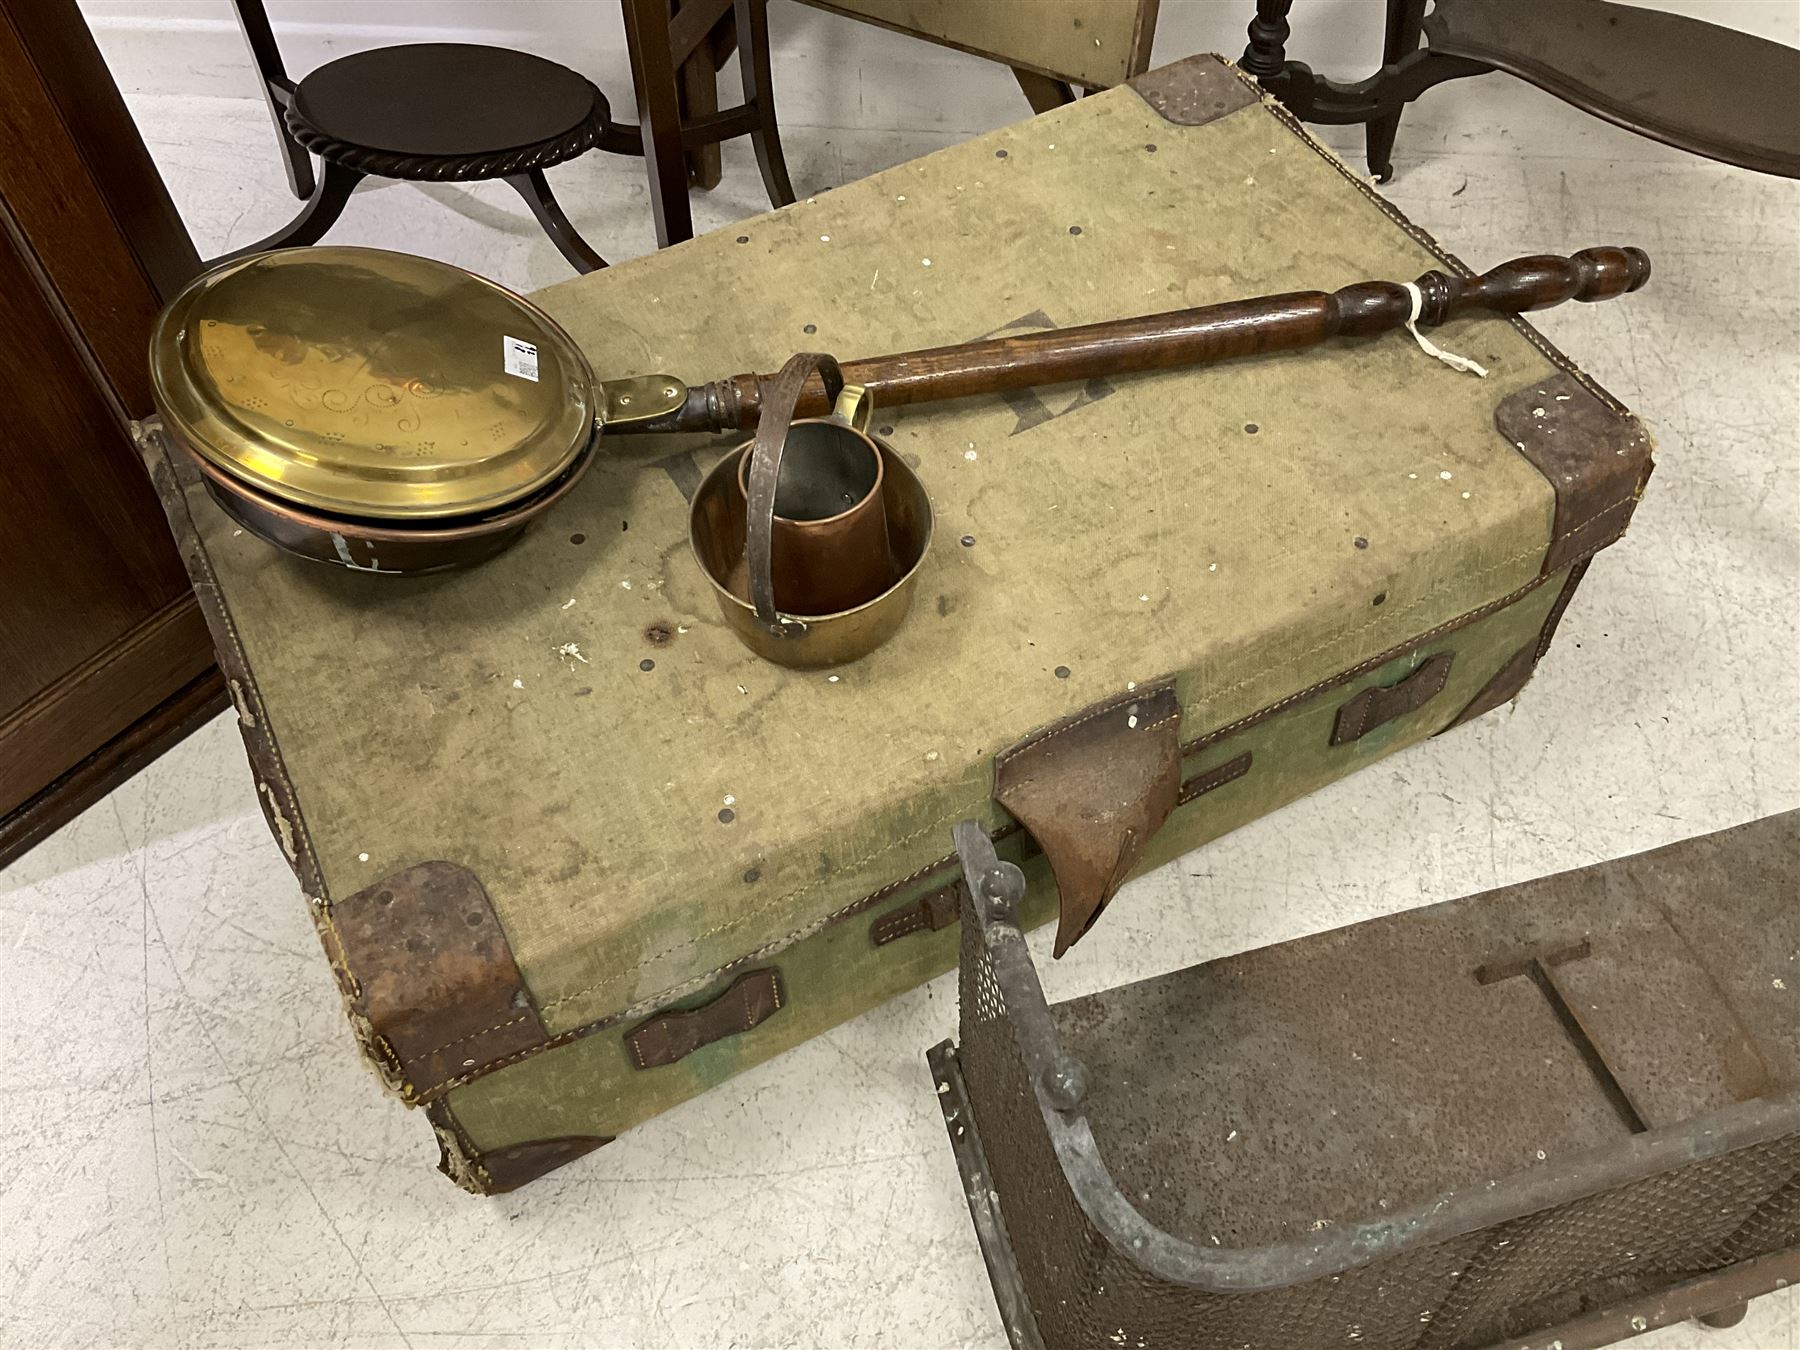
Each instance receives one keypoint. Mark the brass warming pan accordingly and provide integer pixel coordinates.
(393, 414)
(377, 410)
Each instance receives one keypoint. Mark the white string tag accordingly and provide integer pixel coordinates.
(1450, 359)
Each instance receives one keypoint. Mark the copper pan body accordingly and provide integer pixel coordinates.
(716, 528)
(391, 549)
(831, 550)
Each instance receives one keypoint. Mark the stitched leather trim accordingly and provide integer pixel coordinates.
(930, 913)
(1216, 777)
(172, 476)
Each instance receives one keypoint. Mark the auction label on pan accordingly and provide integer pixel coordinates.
(521, 358)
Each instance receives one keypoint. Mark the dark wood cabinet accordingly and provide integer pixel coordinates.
(104, 659)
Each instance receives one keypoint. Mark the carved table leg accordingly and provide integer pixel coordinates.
(322, 209)
(535, 189)
(1404, 21)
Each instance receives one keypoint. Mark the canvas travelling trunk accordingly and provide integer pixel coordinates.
(576, 855)
(1547, 1117)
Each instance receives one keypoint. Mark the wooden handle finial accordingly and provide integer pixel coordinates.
(1514, 287)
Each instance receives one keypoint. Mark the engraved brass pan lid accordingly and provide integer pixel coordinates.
(372, 384)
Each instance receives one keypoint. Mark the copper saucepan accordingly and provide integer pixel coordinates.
(813, 533)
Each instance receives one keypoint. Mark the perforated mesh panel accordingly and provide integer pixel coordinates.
(1472, 1291)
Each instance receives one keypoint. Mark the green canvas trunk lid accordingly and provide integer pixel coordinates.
(576, 855)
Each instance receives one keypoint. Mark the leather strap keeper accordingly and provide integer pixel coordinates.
(929, 913)
(1377, 706)
(669, 1037)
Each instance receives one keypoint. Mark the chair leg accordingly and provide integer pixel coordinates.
(699, 97)
(278, 90)
(535, 189)
(759, 93)
(1042, 92)
(1405, 22)
(322, 209)
(659, 118)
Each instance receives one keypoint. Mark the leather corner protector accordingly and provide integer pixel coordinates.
(511, 1167)
(1505, 686)
(503, 1169)
(669, 1037)
(433, 976)
(1512, 677)
(1595, 458)
(1091, 791)
(1195, 91)
(1380, 704)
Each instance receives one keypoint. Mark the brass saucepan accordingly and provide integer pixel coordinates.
(393, 414)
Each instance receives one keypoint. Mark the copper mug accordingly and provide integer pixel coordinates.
(813, 489)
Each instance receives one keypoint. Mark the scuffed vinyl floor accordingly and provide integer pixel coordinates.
(195, 1156)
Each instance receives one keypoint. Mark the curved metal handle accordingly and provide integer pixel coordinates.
(783, 393)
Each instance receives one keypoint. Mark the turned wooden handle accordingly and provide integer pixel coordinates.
(1184, 337)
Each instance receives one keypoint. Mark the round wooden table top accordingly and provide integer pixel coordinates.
(443, 98)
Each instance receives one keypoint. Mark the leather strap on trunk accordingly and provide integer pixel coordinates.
(669, 1037)
(1380, 704)
(939, 909)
